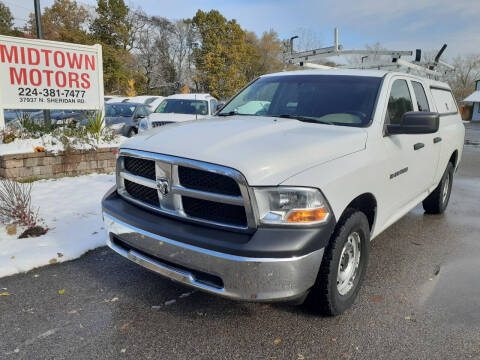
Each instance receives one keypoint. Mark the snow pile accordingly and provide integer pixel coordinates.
(52, 144)
(71, 208)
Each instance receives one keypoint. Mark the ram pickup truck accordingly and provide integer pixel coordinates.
(277, 196)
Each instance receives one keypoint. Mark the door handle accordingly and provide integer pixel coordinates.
(437, 140)
(418, 146)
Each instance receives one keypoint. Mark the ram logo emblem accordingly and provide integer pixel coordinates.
(162, 186)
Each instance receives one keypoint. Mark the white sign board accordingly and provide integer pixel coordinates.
(42, 74)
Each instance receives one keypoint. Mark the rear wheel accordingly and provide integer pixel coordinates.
(343, 266)
(437, 201)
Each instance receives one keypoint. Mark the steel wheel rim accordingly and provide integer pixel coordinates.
(349, 263)
(446, 186)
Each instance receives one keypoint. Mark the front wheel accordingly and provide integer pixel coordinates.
(343, 266)
(131, 132)
(437, 201)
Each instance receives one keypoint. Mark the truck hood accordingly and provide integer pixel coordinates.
(174, 117)
(266, 150)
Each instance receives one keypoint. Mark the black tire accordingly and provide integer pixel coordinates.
(436, 202)
(131, 132)
(325, 297)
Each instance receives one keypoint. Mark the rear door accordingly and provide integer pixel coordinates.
(430, 154)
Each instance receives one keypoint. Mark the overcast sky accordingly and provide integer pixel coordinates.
(399, 24)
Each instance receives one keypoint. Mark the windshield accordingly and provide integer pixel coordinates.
(335, 99)
(122, 109)
(183, 106)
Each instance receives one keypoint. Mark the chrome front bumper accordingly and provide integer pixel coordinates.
(242, 278)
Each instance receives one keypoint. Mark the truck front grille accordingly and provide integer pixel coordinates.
(212, 211)
(142, 193)
(160, 123)
(207, 181)
(140, 167)
(188, 189)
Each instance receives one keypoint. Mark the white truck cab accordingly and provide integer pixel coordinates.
(178, 108)
(278, 195)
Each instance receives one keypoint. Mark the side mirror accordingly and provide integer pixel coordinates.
(416, 123)
(219, 106)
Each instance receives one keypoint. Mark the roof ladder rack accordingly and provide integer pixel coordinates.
(308, 58)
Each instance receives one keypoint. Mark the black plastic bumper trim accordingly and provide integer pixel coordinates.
(276, 242)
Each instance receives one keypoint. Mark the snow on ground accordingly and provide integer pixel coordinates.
(21, 146)
(71, 207)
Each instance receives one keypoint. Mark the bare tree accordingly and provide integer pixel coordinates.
(462, 80)
(370, 59)
(153, 53)
(307, 39)
(137, 20)
(182, 40)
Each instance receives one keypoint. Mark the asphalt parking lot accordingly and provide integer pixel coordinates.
(421, 300)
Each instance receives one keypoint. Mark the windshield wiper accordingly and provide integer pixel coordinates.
(302, 118)
(230, 113)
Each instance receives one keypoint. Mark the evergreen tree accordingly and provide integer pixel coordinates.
(222, 55)
(111, 25)
(110, 29)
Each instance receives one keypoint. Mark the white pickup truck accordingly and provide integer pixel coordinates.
(278, 196)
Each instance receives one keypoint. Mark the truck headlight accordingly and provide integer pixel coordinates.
(143, 124)
(291, 205)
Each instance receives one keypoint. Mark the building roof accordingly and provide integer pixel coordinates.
(474, 97)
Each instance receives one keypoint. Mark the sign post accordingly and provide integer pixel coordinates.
(43, 75)
(38, 24)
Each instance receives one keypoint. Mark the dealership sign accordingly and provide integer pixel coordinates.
(41, 74)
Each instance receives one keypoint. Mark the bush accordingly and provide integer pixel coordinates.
(96, 124)
(31, 128)
(85, 134)
(8, 137)
(16, 204)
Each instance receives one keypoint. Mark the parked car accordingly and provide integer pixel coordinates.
(14, 117)
(123, 118)
(60, 117)
(180, 107)
(151, 100)
(279, 200)
(115, 99)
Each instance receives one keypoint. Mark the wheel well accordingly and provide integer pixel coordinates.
(365, 203)
(453, 158)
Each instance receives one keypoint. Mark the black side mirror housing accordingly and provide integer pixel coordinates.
(219, 106)
(416, 122)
